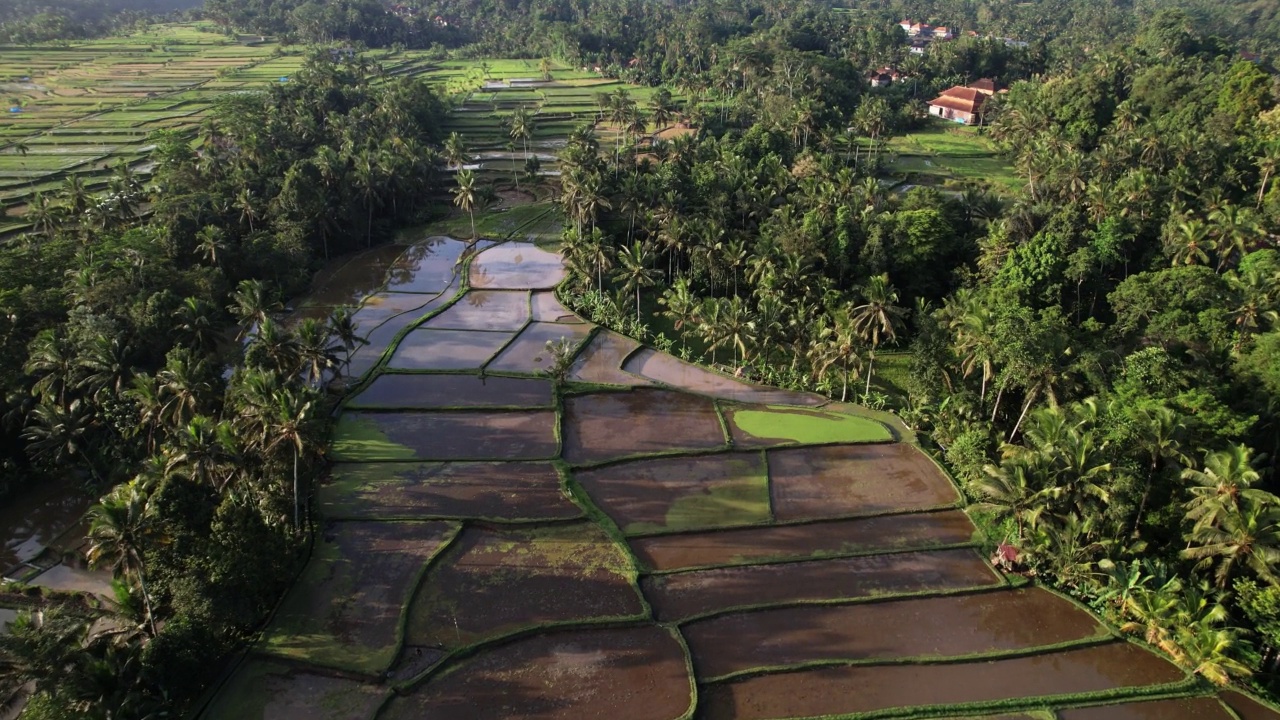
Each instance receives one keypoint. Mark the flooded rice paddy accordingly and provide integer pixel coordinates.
(650, 541)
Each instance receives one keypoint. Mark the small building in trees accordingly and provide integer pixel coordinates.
(883, 76)
(959, 104)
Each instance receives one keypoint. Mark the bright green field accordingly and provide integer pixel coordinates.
(809, 427)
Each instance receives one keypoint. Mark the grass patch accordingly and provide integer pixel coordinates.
(809, 427)
(356, 439)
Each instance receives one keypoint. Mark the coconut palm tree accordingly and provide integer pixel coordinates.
(1245, 536)
(317, 350)
(119, 528)
(634, 270)
(878, 318)
(342, 327)
(1227, 480)
(288, 429)
(465, 196)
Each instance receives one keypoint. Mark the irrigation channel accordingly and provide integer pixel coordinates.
(646, 540)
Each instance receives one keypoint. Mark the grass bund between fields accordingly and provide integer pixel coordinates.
(649, 539)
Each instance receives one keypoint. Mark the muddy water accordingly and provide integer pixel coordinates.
(841, 480)
(601, 361)
(517, 266)
(619, 674)
(37, 516)
(687, 594)
(485, 310)
(1248, 708)
(462, 435)
(1185, 709)
(928, 627)
(827, 691)
(428, 266)
(546, 308)
(672, 371)
(429, 349)
(612, 425)
(349, 282)
(738, 547)
(453, 391)
(528, 353)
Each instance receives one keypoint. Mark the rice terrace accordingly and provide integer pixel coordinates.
(529, 515)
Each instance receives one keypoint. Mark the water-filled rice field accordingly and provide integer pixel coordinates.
(646, 539)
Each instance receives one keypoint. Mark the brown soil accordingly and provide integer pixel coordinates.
(855, 480)
(675, 372)
(496, 581)
(462, 435)
(732, 547)
(604, 426)
(485, 310)
(447, 349)
(1248, 708)
(1184, 709)
(517, 266)
(827, 691)
(678, 493)
(428, 266)
(353, 602)
(528, 353)
(437, 391)
(601, 361)
(684, 595)
(926, 627)
(464, 490)
(618, 674)
(546, 308)
(368, 355)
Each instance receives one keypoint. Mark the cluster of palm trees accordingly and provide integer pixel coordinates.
(1075, 496)
(74, 204)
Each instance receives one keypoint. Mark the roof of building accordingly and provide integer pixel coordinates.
(964, 99)
(986, 85)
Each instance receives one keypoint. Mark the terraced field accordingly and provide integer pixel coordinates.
(645, 540)
(82, 109)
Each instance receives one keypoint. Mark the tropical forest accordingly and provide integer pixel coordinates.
(639, 359)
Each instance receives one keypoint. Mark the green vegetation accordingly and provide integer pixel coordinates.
(357, 439)
(809, 426)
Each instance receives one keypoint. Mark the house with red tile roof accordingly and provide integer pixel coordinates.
(959, 104)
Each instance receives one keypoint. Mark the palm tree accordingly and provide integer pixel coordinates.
(1012, 489)
(544, 68)
(50, 361)
(62, 435)
(878, 317)
(210, 243)
(203, 450)
(197, 326)
(520, 127)
(316, 350)
(287, 428)
(1247, 537)
(1227, 480)
(1190, 242)
(118, 531)
(736, 327)
(455, 150)
(464, 196)
(343, 327)
(252, 304)
(837, 345)
(662, 108)
(635, 272)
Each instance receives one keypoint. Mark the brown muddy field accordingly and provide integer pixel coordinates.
(516, 266)
(546, 308)
(470, 435)
(685, 595)
(266, 690)
(494, 581)
(615, 674)
(601, 361)
(939, 627)
(528, 353)
(675, 372)
(681, 492)
(834, 537)
(834, 481)
(604, 426)
(427, 391)
(464, 490)
(348, 603)
(427, 267)
(484, 310)
(1185, 709)
(831, 691)
(1248, 708)
(427, 349)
